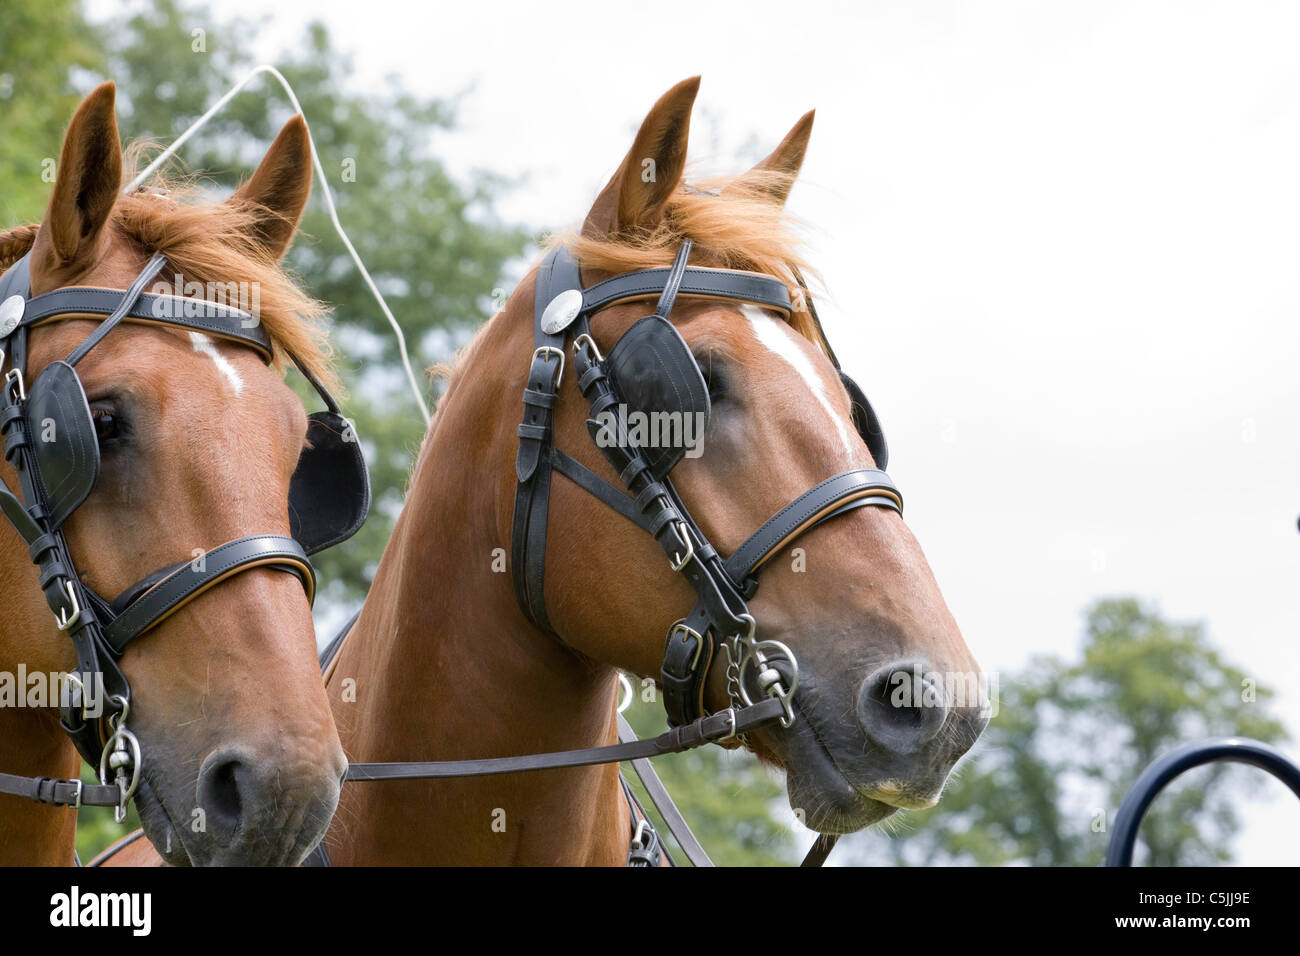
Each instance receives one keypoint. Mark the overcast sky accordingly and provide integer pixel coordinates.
(1060, 242)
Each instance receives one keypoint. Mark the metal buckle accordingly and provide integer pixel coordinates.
(81, 786)
(558, 353)
(595, 350)
(677, 562)
(641, 838)
(63, 617)
(14, 377)
(70, 678)
(731, 731)
(681, 628)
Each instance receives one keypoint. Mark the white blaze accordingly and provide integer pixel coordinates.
(204, 346)
(778, 337)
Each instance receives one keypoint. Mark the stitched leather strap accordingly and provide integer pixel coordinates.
(124, 304)
(755, 287)
(187, 582)
(197, 315)
(835, 495)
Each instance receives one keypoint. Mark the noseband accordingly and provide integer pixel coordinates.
(50, 440)
(651, 365)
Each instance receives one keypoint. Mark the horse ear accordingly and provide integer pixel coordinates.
(86, 185)
(277, 192)
(787, 159)
(636, 195)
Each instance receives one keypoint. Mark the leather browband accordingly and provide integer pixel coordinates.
(215, 318)
(755, 287)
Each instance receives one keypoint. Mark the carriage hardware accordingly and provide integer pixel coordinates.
(328, 501)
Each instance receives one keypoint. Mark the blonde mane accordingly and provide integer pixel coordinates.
(733, 223)
(215, 243)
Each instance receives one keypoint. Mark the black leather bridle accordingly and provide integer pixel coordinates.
(652, 359)
(58, 469)
(563, 310)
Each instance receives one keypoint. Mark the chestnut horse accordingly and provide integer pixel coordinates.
(442, 662)
(241, 763)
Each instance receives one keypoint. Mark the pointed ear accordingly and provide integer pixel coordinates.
(788, 157)
(651, 171)
(278, 191)
(86, 184)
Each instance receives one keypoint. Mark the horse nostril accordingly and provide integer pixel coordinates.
(900, 707)
(219, 795)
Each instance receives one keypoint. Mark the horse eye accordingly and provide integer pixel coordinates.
(715, 375)
(108, 424)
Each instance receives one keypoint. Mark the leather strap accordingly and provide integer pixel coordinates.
(820, 849)
(673, 281)
(672, 817)
(754, 287)
(185, 583)
(60, 793)
(212, 318)
(124, 304)
(715, 727)
(865, 486)
(557, 273)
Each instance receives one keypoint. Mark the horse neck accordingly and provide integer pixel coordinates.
(447, 667)
(32, 744)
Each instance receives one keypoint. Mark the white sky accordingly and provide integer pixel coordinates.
(1061, 242)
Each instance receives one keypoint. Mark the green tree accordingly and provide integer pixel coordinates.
(1071, 738)
(433, 244)
(44, 46)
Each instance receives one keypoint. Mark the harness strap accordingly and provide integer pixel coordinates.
(720, 726)
(196, 315)
(60, 793)
(558, 272)
(764, 290)
(834, 496)
(645, 849)
(676, 823)
(186, 582)
(124, 304)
